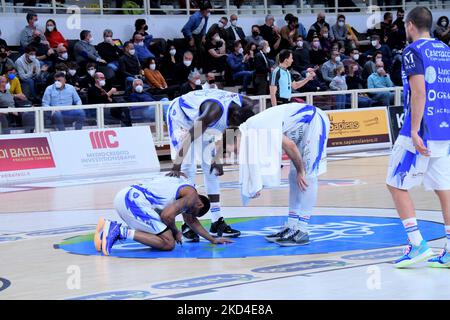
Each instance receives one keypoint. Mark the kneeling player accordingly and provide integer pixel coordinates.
(149, 209)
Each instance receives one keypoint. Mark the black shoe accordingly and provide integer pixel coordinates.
(188, 234)
(275, 236)
(221, 229)
(294, 238)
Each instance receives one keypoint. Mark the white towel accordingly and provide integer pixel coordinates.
(260, 152)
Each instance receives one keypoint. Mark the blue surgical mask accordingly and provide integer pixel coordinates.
(11, 76)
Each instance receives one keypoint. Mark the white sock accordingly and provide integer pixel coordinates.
(292, 220)
(447, 234)
(414, 235)
(215, 211)
(303, 221)
(126, 233)
(130, 234)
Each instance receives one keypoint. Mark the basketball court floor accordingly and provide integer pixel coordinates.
(46, 250)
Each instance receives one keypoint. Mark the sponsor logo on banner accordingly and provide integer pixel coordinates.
(300, 266)
(203, 281)
(358, 127)
(104, 139)
(25, 154)
(397, 116)
(4, 284)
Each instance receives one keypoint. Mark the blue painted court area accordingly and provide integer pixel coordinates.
(327, 233)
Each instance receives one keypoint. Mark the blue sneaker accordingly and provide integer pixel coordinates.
(441, 261)
(111, 233)
(414, 255)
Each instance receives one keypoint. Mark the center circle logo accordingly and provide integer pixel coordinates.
(430, 74)
(328, 233)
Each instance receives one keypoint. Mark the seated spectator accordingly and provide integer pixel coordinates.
(169, 62)
(155, 79)
(156, 46)
(352, 59)
(339, 84)
(317, 26)
(377, 46)
(84, 50)
(255, 37)
(60, 67)
(43, 52)
(63, 94)
(2, 41)
(370, 65)
(139, 95)
(130, 67)
(326, 43)
(314, 85)
(328, 67)
(381, 79)
(5, 61)
(60, 55)
(238, 65)
(218, 28)
(263, 67)
(355, 82)
(302, 60)
(72, 77)
(339, 31)
(301, 29)
(6, 101)
(216, 54)
(108, 51)
(341, 49)
(31, 31)
(386, 27)
(289, 34)
(210, 82)
(250, 51)
(271, 34)
(88, 80)
(184, 68)
(53, 36)
(442, 31)
(234, 33)
(142, 52)
(316, 53)
(13, 83)
(193, 83)
(30, 76)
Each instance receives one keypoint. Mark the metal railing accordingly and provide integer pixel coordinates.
(256, 7)
(160, 136)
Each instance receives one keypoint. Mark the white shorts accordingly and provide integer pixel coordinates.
(137, 212)
(408, 170)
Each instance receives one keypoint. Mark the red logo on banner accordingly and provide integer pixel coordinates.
(24, 154)
(103, 139)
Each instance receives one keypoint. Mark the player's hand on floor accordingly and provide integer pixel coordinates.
(418, 144)
(222, 241)
(301, 181)
(175, 172)
(179, 237)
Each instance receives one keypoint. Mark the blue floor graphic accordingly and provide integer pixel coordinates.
(327, 233)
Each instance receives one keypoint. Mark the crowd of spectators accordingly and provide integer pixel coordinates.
(51, 70)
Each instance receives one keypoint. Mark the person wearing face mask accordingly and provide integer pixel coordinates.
(353, 58)
(194, 83)
(183, 68)
(157, 82)
(142, 52)
(138, 94)
(28, 33)
(377, 46)
(289, 34)
(130, 66)
(317, 55)
(194, 31)
(88, 80)
(63, 94)
(100, 92)
(219, 28)
(72, 76)
(29, 70)
(329, 66)
(84, 50)
(317, 26)
(326, 42)
(302, 59)
(109, 51)
(5, 61)
(6, 101)
(339, 31)
(210, 82)
(53, 36)
(255, 37)
(381, 79)
(13, 84)
(216, 58)
(234, 33)
(442, 31)
(238, 65)
(263, 67)
(271, 34)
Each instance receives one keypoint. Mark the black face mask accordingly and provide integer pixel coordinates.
(255, 33)
(3, 55)
(321, 21)
(146, 28)
(211, 81)
(37, 40)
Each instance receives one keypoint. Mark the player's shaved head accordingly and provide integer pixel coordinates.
(421, 18)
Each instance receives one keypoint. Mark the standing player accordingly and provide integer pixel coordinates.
(204, 114)
(305, 131)
(421, 153)
(149, 209)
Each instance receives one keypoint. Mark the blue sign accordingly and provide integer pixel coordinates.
(375, 255)
(327, 234)
(203, 281)
(300, 266)
(4, 284)
(115, 295)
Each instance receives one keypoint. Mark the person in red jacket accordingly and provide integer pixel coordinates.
(54, 37)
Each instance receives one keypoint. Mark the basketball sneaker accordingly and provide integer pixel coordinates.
(295, 237)
(280, 234)
(414, 254)
(441, 261)
(221, 229)
(188, 234)
(98, 234)
(111, 233)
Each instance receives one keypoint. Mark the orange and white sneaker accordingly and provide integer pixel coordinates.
(98, 234)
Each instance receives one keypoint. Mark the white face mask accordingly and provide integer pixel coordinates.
(102, 83)
(268, 50)
(152, 66)
(380, 70)
(139, 88)
(72, 72)
(7, 87)
(217, 38)
(50, 28)
(198, 82)
(91, 40)
(187, 63)
(234, 23)
(300, 44)
(173, 52)
(91, 72)
(241, 50)
(378, 59)
(36, 23)
(374, 43)
(338, 59)
(58, 84)
(316, 44)
(64, 56)
(355, 56)
(140, 43)
(132, 52)
(341, 24)
(220, 24)
(325, 35)
(108, 39)
(444, 23)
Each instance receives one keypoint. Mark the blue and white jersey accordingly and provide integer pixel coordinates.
(431, 58)
(296, 118)
(159, 191)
